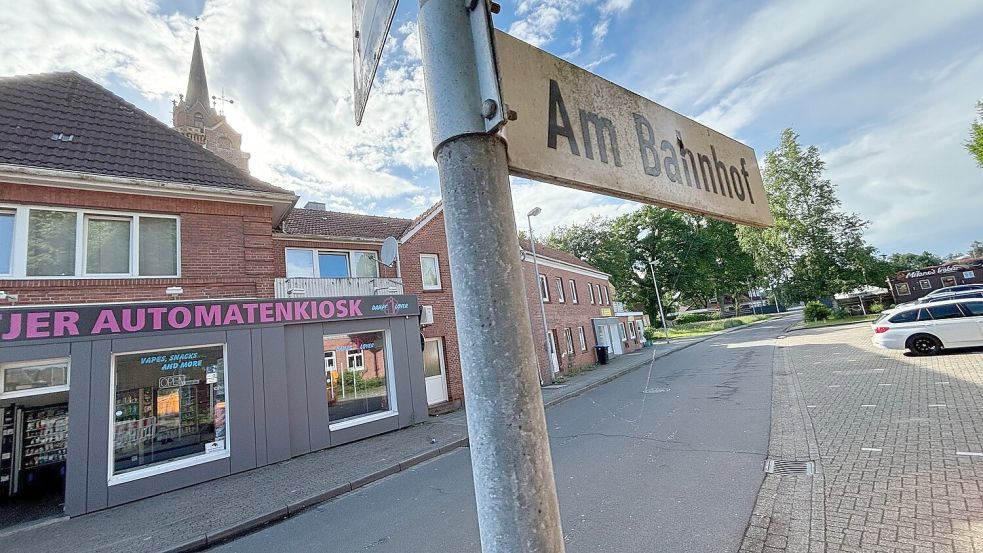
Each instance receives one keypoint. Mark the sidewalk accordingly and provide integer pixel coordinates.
(199, 516)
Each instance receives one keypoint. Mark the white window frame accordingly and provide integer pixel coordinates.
(165, 466)
(925, 284)
(355, 355)
(349, 258)
(544, 288)
(560, 296)
(590, 292)
(568, 338)
(13, 239)
(631, 329)
(607, 298)
(84, 240)
(573, 291)
(390, 387)
(436, 263)
(18, 262)
(34, 363)
(334, 362)
(903, 285)
(583, 338)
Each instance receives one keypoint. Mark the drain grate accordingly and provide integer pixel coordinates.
(782, 466)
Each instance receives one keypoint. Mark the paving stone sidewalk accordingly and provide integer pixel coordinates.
(192, 518)
(898, 442)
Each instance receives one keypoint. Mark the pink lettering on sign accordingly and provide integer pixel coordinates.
(179, 317)
(37, 325)
(326, 309)
(233, 315)
(355, 308)
(266, 313)
(106, 321)
(208, 315)
(134, 320)
(66, 323)
(284, 312)
(157, 314)
(13, 332)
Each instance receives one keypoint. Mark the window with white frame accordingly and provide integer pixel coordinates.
(315, 263)
(560, 297)
(573, 292)
(621, 331)
(330, 363)
(544, 289)
(568, 335)
(607, 299)
(582, 338)
(42, 242)
(356, 361)
(590, 292)
(631, 329)
(33, 378)
(430, 271)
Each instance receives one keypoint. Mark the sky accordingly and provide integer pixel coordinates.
(886, 90)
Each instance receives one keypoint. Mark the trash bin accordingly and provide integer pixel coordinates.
(602, 354)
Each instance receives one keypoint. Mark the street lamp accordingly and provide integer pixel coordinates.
(542, 307)
(863, 287)
(642, 234)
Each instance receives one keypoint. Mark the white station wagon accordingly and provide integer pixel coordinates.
(926, 329)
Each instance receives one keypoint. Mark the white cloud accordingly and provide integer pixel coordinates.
(561, 206)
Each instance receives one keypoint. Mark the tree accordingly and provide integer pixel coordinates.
(814, 250)
(975, 143)
(975, 250)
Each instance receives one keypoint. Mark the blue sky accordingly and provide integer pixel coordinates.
(885, 89)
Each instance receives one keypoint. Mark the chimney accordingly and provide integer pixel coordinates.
(318, 206)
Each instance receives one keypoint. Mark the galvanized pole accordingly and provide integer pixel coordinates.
(658, 298)
(515, 492)
(542, 307)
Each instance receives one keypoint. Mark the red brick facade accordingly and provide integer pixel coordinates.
(226, 248)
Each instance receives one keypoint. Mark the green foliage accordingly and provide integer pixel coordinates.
(876, 307)
(975, 143)
(838, 313)
(706, 327)
(652, 334)
(687, 318)
(815, 311)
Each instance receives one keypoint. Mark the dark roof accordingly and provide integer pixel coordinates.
(197, 84)
(559, 255)
(108, 136)
(315, 222)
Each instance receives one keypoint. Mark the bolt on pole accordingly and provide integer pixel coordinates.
(510, 455)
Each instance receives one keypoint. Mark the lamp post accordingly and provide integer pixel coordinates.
(863, 308)
(655, 284)
(542, 307)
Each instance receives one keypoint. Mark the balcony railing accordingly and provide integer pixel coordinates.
(334, 287)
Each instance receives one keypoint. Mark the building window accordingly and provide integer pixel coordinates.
(582, 338)
(75, 243)
(948, 281)
(544, 289)
(430, 270)
(925, 284)
(559, 290)
(330, 363)
(621, 331)
(902, 288)
(590, 292)
(433, 357)
(573, 292)
(568, 335)
(169, 410)
(6, 240)
(361, 387)
(631, 329)
(33, 378)
(309, 263)
(199, 121)
(607, 299)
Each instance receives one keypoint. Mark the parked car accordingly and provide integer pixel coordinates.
(927, 329)
(953, 289)
(966, 294)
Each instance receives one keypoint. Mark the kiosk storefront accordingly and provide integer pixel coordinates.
(106, 404)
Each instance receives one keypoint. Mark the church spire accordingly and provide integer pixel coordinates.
(197, 85)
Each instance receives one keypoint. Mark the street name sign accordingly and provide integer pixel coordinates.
(576, 129)
(371, 20)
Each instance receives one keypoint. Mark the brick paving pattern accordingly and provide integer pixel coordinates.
(895, 437)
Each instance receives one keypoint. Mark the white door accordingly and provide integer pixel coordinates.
(613, 340)
(554, 363)
(435, 371)
(949, 324)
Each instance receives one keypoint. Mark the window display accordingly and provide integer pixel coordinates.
(169, 405)
(357, 380)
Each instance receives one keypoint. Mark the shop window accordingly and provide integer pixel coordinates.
(583, 339)
(430, 271)
(51, 243)
(169, 410)
(544, 289)
(560, 297)
(948, 281)
(590, 293)
(925, 284)
(573, 292)
(568, 336)
(107, 245)
(33, 378)
(361, 386)
(902, 288)
(6, 240)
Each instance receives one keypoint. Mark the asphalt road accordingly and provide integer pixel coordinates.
(666, 458)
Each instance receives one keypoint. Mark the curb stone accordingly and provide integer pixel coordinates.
(247, 526)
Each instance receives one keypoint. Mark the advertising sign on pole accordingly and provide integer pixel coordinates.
(371, 20)
(576, 129)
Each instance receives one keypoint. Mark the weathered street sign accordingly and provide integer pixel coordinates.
(371, 20)
(577, 129)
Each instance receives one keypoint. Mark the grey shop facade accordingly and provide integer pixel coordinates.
(116, 402)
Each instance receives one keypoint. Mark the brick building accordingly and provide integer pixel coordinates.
(99, 201)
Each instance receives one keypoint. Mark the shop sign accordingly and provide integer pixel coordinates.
(39, 323)
(933, 271)
(605, 312)
(576, 129)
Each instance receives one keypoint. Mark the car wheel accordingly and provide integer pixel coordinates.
(924, 344)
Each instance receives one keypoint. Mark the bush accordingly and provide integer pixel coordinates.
(839, 313)
(815, 311)
(695, 318)
(651, 333)
(876, 307)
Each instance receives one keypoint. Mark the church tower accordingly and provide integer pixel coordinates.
(195, 116)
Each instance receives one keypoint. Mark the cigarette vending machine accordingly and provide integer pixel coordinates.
(33, 448)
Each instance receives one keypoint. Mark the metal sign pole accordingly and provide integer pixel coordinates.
(658, 299)
(510, 455)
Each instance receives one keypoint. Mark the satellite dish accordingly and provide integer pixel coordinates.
(389, 250)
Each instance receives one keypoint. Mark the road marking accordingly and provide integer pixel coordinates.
(875, 370)
(936, 405)
(946, 382)
(883, 383)
(810, 406)
(837, 372)
(969, 453)
(869, 405)
(833, 386)
(871, 449)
